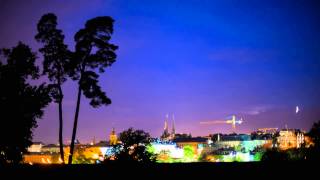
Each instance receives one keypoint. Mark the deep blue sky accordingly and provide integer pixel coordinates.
(201, 60)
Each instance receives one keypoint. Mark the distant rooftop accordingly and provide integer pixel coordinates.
(192, 139)
(235, 137)
(51, 145)
(37, 143)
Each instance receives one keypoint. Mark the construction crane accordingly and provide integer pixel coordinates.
(233, 121)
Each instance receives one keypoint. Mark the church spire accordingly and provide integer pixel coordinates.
(173, 132)
(165, 133)
(166, 123)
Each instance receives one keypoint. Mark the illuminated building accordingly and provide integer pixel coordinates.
(113, 139)
(248, 145)
(35, 147)
(308, 141)
(40, 158)
(51, 148)
(226, 144)
(170, 152)
(44, 154)
(267, 131)
(83, 153)
(196, 143)
(42, 148)
(290, 138)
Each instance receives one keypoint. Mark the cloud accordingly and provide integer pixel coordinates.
(241, 55)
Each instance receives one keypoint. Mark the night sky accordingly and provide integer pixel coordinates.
(199, 60)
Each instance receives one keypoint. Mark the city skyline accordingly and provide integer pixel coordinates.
(257, 60)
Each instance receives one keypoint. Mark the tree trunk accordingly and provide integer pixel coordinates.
(61, 126)
(75, 123)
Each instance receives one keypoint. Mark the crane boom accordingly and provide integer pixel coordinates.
(213, 122)
(233, 121)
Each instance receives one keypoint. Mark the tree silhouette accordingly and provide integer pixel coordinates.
(134, 147)
(275, 155)
(93, 51)
(21, 104)
(314, 133)
(314, 151)
(56, 58)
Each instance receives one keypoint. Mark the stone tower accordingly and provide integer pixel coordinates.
(113, 139)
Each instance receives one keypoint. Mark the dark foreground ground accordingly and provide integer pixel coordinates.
(258, 170)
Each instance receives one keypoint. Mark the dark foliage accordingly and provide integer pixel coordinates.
(21, 104)
(55, 52)
(133, 147)
(275, 155)
(314, 133)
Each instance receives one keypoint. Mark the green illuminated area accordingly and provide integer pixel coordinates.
(241, 152)
(174, 154)
(188, 153)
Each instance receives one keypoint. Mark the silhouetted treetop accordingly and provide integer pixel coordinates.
(55, 51)
(132, 137)
(93, 50)
(22, 59)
